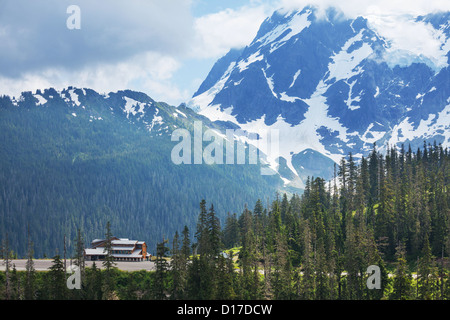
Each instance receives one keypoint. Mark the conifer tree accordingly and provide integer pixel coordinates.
(231, 235)
(323, 289)
(259, 209)
(225, 289)
(247, 252)
(374, 258)
(353, 261)
(365, 181)
(351, 181)
(373, 176)
(282, 270)
(284, 208)
(209, 245)
(93, 289)
(202, 230)
(79, 255)
(6, 253)
(194, 280)
(214, 234)
(108, 265)
(57, 279)
(177, 270)
(161, 269)
(30, 278)
(307, 287)
(402, 286)
(446, 286)
(385, 218)
(426, 273)
(186, 245)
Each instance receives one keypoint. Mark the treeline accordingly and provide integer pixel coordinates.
(390, 211)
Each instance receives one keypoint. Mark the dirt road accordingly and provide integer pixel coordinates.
(43, 265)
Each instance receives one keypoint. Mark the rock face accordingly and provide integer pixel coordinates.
(333, 85)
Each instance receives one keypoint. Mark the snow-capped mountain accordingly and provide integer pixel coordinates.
(333, 85)
(157, 118)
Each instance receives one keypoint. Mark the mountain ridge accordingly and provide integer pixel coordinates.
(334, 85)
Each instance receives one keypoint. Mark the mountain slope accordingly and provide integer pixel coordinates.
(77, 159)
(333, 85)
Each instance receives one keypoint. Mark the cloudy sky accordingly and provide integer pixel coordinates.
(162, 48)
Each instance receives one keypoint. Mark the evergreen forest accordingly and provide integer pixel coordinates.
(389, 210)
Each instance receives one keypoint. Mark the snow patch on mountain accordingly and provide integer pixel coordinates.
(287, 98)
(214, 113)
(243, 64)
(74, 97)
(371, 136)
(41, 99)
(377, 93)
(270, 83)
(295, 23)
(435, 124)
(203, 100)
(350, 100)
(295, 139)
(182, 113)
(157, 120)
(344, 64)
(295, 78)
(133, 107)
(410, 41)
(317, 117)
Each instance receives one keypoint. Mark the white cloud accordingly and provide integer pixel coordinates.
(122, 44)
(147, 72)
(216, 33)
(354, 8)
(34, 35)
(137, 44)
(143, 44)
(410, 40)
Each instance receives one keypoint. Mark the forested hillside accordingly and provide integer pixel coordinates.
(77, 161)
(390, 211)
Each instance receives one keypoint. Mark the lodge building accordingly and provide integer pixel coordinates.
(122, 250)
